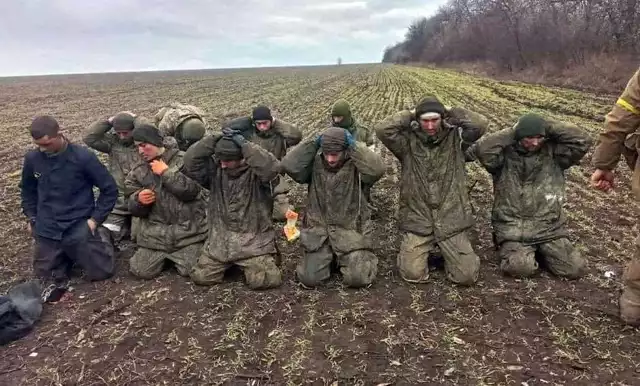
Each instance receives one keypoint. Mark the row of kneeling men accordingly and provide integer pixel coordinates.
(207, 200)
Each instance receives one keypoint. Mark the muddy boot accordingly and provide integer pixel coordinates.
(630, 298)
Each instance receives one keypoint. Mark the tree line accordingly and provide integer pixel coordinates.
(516, 34)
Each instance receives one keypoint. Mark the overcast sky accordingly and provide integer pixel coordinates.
(69, 36)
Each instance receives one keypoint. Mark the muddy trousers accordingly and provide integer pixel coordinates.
(149, 263)
(630, 298)
(119, 225)
(54, 259)
(358, 268)
(461, 263)
(560, 257)
(260, 272)
(280, 207)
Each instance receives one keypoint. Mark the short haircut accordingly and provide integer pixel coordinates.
(44, 125)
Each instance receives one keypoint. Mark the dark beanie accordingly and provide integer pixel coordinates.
(430, 104)
(530, 125)
(227, 150)
(147, 133)
(334, 140)
(261, 113)
(123, 121)
(44, 125)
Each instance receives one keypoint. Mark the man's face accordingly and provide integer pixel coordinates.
(125, 136)
(337, 119)
(148, 151)
(231, 165)
(334, 159)
(48, 144)
(430, 124)
(263, 125)
(532, 143)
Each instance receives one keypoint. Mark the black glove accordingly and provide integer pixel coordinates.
(239, 139)
(229, 132)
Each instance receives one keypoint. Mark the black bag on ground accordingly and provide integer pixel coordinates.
(20, 309)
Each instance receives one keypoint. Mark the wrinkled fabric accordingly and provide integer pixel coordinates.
(169, 118)
(240, 201)
(260, 272)
(433, 191)
(629, 301)
(336, 207)
(358, 268)
(337, 215)
(529, 187)
(149, 263)
(122, 157)
(177, 218)
(92, 252)
(20, 309)
(559, 256)
(277, 141)
(461, 263)
(361, 133)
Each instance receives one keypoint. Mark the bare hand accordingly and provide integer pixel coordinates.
(92, 225)
(602, 180)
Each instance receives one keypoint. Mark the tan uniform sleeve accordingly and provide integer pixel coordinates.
(621, 121)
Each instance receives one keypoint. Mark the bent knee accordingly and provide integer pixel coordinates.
(466, 273)
(308, 279)
(361, 270)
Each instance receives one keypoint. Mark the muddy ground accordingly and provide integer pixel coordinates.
(168, 331)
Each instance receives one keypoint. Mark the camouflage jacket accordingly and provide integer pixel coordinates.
(620, 122)
(122, 158)
(169, 118)
(178, 216)
(240, 201)
(433, 191)
(277, 140)
(529, 187)
(361, 133)
(336, 207)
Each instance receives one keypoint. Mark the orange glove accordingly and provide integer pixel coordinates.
(158, 167)
(146, 197)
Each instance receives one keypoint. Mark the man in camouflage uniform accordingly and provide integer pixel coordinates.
(114, 137)
(238, 175)
(276, 136)
(184, 124)
(622, 122)
(527, 163)
(430, 143)
(170, 206)
(337, 217)
(341, 116)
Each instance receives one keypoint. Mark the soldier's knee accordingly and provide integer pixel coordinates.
(466, 272)
(308, 279)
(140, 267)
(204, 278)
(263, 275)
(518, 261)
(361, 270)
(576, 268)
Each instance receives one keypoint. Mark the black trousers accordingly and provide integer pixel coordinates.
(93, 253)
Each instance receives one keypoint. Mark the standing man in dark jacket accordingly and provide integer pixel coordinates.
(527, 163)
(430, 144)
(57, 198)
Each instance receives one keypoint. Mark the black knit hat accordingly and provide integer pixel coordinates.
(227, 150)
(147, 133)
(261, 113)
(430, 104)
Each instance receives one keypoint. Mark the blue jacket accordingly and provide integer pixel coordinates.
(57, 191)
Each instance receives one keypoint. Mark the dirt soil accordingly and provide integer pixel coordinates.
(125, 331)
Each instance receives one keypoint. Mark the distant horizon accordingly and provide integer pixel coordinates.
(183, 70)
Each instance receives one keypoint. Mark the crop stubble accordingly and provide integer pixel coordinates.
(168, 331)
